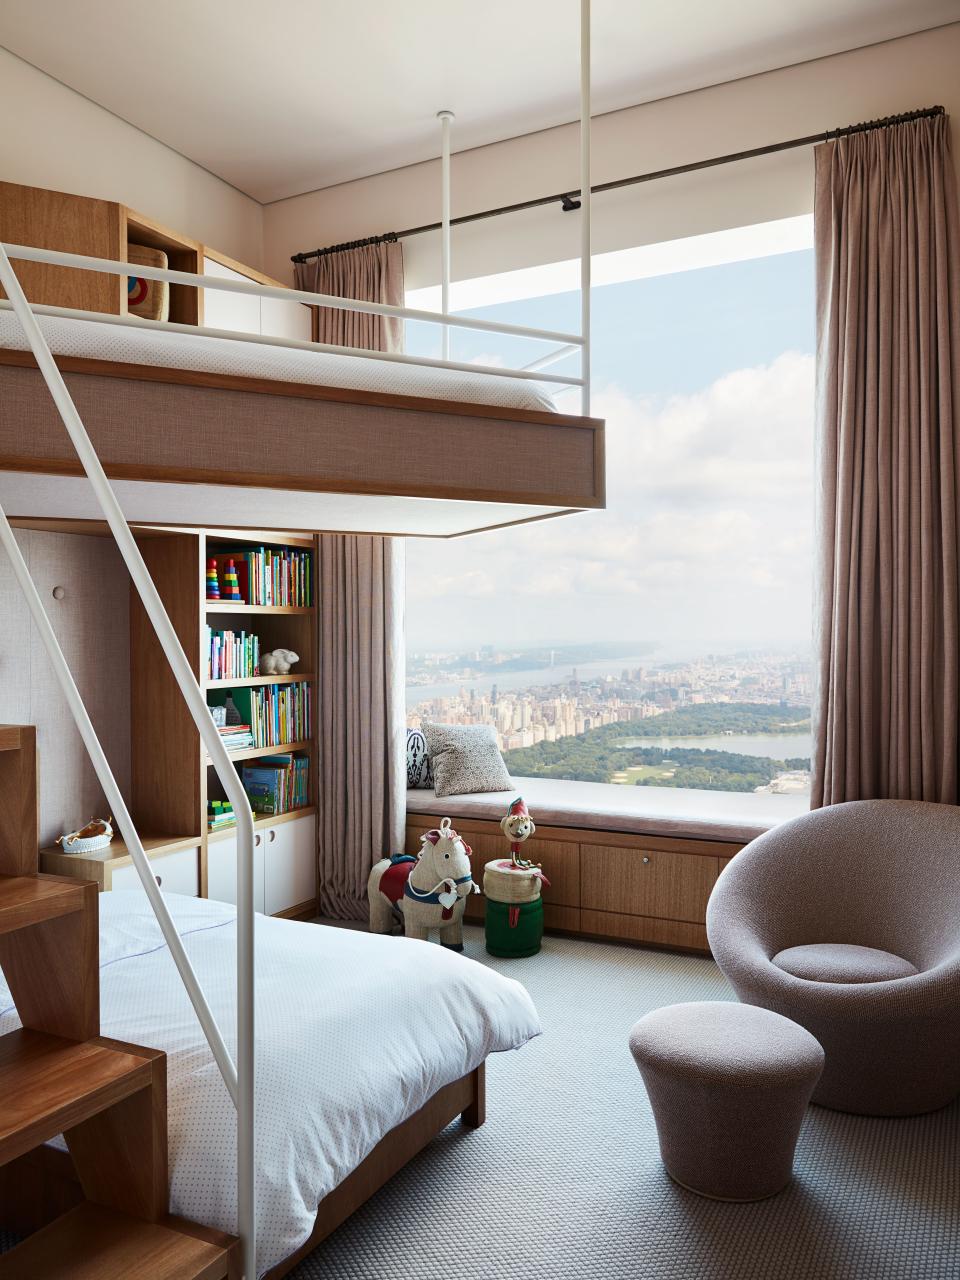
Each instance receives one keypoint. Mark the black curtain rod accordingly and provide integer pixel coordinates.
(569, 200)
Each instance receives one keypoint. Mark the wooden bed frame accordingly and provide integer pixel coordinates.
(41, 1185)
(179, 427)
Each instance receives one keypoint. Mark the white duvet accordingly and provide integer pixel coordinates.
(354, 1033)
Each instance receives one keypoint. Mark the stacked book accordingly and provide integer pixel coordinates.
(232, 655)
(277, 785)
(236, 737)
(265, 576)
(220, 814)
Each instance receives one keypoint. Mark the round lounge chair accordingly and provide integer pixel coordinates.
(847, 920)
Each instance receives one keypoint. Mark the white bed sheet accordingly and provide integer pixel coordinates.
(355, 1033)
(143, 343)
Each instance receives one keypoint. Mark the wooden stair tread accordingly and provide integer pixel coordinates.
(49, 1085)
(29, 900)
(93, 1243)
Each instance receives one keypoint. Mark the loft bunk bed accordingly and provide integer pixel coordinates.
(339, 454)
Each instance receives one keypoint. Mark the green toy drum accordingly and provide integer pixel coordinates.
(514, 929)
(514, 914)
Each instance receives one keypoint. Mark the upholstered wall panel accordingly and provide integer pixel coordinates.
(91, 622)
(304, 442)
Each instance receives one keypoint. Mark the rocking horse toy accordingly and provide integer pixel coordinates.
(430, 890)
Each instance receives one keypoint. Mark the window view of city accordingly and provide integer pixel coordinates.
(663, 642)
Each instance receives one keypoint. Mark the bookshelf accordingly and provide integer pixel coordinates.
(172, 780)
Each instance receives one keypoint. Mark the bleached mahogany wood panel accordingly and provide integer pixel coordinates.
(672, 886)
(90, 623)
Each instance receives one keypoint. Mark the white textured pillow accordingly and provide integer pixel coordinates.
(465, 758)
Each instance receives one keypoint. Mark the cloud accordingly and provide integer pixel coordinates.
(708, 530)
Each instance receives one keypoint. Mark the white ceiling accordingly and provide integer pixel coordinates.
(284, 98)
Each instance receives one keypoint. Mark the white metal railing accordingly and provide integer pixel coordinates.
(238, 1075)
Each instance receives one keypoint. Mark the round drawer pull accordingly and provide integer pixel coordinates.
(646, 858)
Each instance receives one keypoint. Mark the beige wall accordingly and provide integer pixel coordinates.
(53, 137)
(91, 622)
(916, 71)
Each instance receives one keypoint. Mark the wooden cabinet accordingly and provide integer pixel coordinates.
(645, 889)
(654, 882)
(176, 873)
(236, 311)
(176, 865)
(290, 866)
(284, 866)
(222, 869)
(96, 228)
(244, 313)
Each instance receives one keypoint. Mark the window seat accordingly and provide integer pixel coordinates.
(596, 806)
(634, 864)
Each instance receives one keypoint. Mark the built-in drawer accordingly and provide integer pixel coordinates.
(652, 883)
(176, 873)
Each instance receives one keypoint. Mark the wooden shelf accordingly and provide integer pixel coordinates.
(228, 606)
(252, 681)
(93, 1243)
(253, 753)
(27, 900)
(49, 1084)
(56, 862)
(268, 820)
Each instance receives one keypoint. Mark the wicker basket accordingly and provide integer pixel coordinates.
(148, 299)
(503, 882)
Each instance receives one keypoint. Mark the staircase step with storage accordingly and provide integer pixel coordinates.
(49, 1085)
(93, 1243)
(29, 900)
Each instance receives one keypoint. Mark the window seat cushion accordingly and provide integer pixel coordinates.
(599, 806)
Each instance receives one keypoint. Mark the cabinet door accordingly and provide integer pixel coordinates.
(290, 864)
(176, 873)
(222, 869)
(239, 311)
(285, 319)
(669, 886)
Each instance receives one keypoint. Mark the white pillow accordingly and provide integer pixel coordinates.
(465, 758)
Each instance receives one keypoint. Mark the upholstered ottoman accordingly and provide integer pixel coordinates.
(729, 1085)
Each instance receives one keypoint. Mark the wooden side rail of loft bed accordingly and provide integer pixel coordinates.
(179, 426)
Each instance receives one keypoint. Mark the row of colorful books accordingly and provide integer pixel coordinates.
(271, 715)
(270, 577)
(232, 655)
(278, 784)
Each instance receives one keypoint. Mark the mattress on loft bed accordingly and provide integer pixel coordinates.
(143, 343)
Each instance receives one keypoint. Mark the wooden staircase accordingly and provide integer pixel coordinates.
(59, 1075)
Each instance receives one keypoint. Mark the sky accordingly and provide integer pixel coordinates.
(705, 379)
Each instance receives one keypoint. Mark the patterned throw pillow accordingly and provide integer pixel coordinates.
(465, 758)
(419, 768)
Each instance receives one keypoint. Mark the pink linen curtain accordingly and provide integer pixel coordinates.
(371, 272)
(887, 708)
(361, 801)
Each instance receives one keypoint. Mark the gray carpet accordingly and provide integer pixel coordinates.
(564, 1180)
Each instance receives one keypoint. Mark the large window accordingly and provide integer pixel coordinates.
(665, 641)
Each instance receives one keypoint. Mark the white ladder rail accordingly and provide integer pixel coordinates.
(238, 1077)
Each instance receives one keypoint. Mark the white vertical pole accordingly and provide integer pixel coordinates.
(445, 118)
(585, 202)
